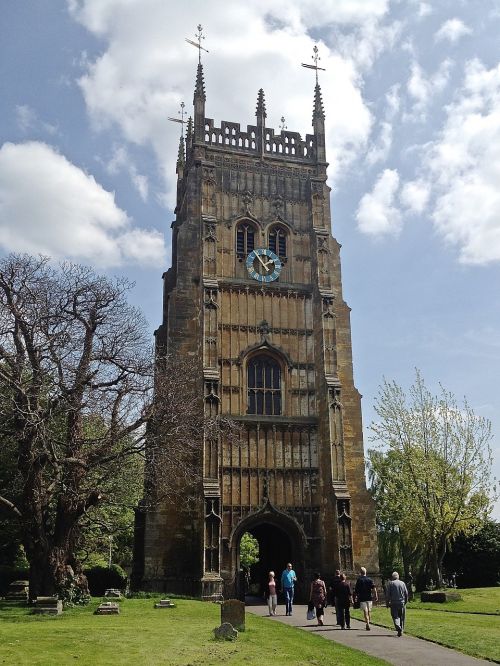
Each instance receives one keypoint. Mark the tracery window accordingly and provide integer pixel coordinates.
(245, 239)
(264, 385)
(277, 241)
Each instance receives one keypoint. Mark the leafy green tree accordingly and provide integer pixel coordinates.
(249, 550)
(431, 469)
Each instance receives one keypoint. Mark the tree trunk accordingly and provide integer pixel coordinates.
(54, 568)
(438, 552)
(441, 552)
(42, 572)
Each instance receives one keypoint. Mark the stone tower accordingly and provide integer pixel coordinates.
(254, 296)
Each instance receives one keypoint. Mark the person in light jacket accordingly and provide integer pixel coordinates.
(396, 598)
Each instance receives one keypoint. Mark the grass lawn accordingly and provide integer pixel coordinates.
(144, 635)
(475, 600)
(475, 633)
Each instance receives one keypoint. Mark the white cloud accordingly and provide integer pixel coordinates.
(463, 166)
(363, 44)
(50, 206)
(424, 9)
(27, 119)
(146, 69)
(379, 150)
(423, 88)
(121, 161)
(415, 195)
(377, 214)
(452, 30)
(393, 101)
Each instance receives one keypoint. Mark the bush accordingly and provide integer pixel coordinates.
(9, 574)
(102, 578)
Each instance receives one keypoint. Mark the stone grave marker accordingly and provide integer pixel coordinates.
(440, 596)
(48, 606)
(113, 593)
(233, 611)
(165, 603)
(107, 608)
(226, 632)
(17, 591)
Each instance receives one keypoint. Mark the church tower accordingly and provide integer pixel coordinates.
(254, 297)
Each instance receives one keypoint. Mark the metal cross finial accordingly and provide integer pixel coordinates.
(316, 58)
(199, 36)
(181, 119)
(283, 126)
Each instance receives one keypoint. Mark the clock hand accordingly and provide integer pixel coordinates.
(265, 265)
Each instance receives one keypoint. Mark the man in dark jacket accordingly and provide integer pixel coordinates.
(396, 598)
(343, 602)
(333, 587)
(363, 591)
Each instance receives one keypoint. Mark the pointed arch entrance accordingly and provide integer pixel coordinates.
(281, 540)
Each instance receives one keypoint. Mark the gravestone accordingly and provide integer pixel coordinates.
(439, 596)
(47, 606)
(165, 603)
(17, 591)
(226, 632)
(107, 608)
(112, 593)
(233, 611)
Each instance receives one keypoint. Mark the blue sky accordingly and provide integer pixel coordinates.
(412, 99)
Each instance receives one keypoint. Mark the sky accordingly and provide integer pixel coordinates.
(411, 91)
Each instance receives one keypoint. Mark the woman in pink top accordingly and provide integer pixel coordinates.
(272, 597)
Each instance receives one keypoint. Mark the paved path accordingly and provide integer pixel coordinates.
(379, 642)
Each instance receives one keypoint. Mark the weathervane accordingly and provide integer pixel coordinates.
(181, 119)
(197, 44)
(315, 57)
(283, 126)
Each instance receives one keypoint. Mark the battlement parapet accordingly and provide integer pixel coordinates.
(287, 145)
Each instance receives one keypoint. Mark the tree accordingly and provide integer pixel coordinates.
(432, 468)
(249, 550)
(78, 403)
(475, 558)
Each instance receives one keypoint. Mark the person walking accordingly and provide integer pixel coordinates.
(363, 591)
(343, 602)
(288, 580)
(396, 598)
(317, 596)
(272, 595)
(333, 591)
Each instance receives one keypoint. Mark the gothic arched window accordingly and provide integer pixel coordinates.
(264, 385)
(277, 241)
(245, 239)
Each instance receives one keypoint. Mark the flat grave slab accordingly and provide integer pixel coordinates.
(165, 603)
(107, 608)
(48, 606)
(17, 591)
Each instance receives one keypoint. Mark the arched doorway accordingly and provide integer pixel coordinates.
(281, 540)
(275, 550)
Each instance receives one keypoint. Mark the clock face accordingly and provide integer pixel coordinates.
(263, 265)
